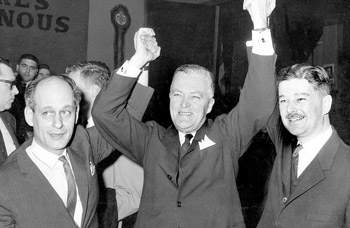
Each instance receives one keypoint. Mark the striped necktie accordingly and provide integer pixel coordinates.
(295, 161)
(72, 191)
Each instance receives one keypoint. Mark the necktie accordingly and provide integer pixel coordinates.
(184, 148)
(72, 191)
(295, 161)
(186, 145)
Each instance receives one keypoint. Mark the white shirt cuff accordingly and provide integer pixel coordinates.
(261, 42)
(129, 70)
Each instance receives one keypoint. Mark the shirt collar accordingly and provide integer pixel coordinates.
(46, 157)
(312, 147)
(90, 122)
(182, 136)
(319, 140)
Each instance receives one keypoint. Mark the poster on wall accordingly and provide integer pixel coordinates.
(54, 31)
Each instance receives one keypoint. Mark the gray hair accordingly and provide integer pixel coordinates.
(193, 68)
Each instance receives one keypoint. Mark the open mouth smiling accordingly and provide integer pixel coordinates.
(185, 113)
(295, 117)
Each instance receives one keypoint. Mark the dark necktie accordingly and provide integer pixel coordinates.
(184, 148)
(295, 161)
(186, 145)
(72, 191)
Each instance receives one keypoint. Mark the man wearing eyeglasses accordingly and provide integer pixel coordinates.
(8, 91)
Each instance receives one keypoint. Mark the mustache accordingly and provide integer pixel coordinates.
(294, 115)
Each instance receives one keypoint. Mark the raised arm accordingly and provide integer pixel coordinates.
(258, 96)
(146, 50)
(110, 114)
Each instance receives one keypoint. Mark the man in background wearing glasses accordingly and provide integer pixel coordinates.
(8, 91)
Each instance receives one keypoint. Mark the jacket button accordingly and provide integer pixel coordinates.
(169, 177)
(284, 199)
(179, 204)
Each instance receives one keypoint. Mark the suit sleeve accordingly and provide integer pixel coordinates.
(114, 122)
(6, 217)
(138, 101)
(272, 126)
(136, 107)
(256, 102)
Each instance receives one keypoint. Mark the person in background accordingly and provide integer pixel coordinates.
(190, 168)
(8, 90)
(51, 180)
(27, 69)
(309, 184)
(43, 71)
(124, 176)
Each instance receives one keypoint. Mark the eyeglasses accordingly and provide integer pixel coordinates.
(12, 83)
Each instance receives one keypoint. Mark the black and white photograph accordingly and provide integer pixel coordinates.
(174, 113)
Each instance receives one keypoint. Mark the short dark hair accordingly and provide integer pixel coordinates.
(315, 75)
(44, 66)
(5, 61)
(95, 72)
(31, 88)
(28, 56)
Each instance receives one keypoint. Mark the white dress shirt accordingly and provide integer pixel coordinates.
(53, 170)
(182, 137)
(9, 144)
(311, 149)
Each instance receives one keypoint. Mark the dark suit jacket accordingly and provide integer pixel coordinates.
(10, 123)
(17, 109)
(321, 197)
(206, 195)
(28, 200)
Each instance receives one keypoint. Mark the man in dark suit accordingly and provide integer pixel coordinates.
(309, 184)
(51, 181)
(27, 69)
(8, 91)
(190, 168)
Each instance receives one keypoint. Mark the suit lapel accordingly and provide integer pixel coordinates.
(3, 151)
(171, 141)
(198, 137)
(314, 173)
(6, 121)
(40, 184)
(80, 170)
(286, 169)
(169, 164)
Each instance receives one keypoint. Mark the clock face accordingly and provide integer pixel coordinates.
(121, 18)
